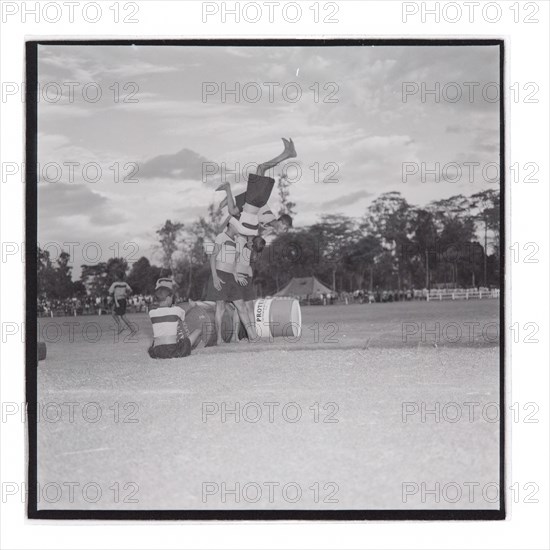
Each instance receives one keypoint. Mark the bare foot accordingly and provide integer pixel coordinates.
(223, 186)
(290, 150)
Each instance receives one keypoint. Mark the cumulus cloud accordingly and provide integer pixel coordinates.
(185, 164)
(62, 200)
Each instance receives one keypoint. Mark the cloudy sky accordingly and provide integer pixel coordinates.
(350, 126)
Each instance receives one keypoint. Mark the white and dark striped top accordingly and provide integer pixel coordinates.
(119, 289)
(165, 322)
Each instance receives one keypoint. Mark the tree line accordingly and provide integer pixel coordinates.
(453, 242)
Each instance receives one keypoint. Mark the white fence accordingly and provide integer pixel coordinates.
(457, 294)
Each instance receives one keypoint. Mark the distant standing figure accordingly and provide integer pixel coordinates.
(120, 289)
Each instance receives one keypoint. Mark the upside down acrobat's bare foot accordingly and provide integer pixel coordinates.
(290, 150)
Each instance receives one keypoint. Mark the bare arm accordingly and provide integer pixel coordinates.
(239, 277)
(229, 200)
(221, 227)
(215, 279)
(215, 252)
(231, 206)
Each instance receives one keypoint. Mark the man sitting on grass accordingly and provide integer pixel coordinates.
(171, 337)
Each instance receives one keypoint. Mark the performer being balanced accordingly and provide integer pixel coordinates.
(258, 191)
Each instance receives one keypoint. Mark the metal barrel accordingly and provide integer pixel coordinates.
(204, 318)
(275, 317)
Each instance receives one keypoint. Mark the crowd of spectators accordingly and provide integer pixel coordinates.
(90, 305)
(386, 296)
(101, 305)
(362, 297)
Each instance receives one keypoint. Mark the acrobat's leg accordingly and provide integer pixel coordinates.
(250, 308)
(288, 153)
(220, 309)
(243, 314)
(236, 326)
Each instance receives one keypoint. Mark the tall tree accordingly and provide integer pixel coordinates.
(190, 268)
(334, 233)
(45, 274)
(54, 280)
(388, 219)
(486, 211)
(422, 254)
(295, 254)
(63, 279)
(360, 258)
(114, 267)
(456, 237)
(142, 276)
(94, 278)
(283, 188)
(169, 235)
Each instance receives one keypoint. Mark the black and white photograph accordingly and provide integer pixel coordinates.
(265, 279)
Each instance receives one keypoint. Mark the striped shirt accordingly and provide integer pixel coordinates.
(119, 289)
(166, 321)
(265, 214)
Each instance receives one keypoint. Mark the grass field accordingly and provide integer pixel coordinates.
(332, 421)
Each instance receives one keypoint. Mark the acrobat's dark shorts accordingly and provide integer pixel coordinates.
(171, 351)
(247, 292)
(121, 309)
(258, 190)
(229, 292)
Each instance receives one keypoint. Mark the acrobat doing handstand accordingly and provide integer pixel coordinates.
(250, 207)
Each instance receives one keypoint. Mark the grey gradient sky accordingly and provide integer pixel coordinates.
(169, 132)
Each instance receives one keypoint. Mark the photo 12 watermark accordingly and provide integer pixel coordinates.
(253, 412)
(53, 11)
(470, 12)
(271, 12)
(269, 492)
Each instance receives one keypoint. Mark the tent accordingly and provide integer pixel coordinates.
(304, 288)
